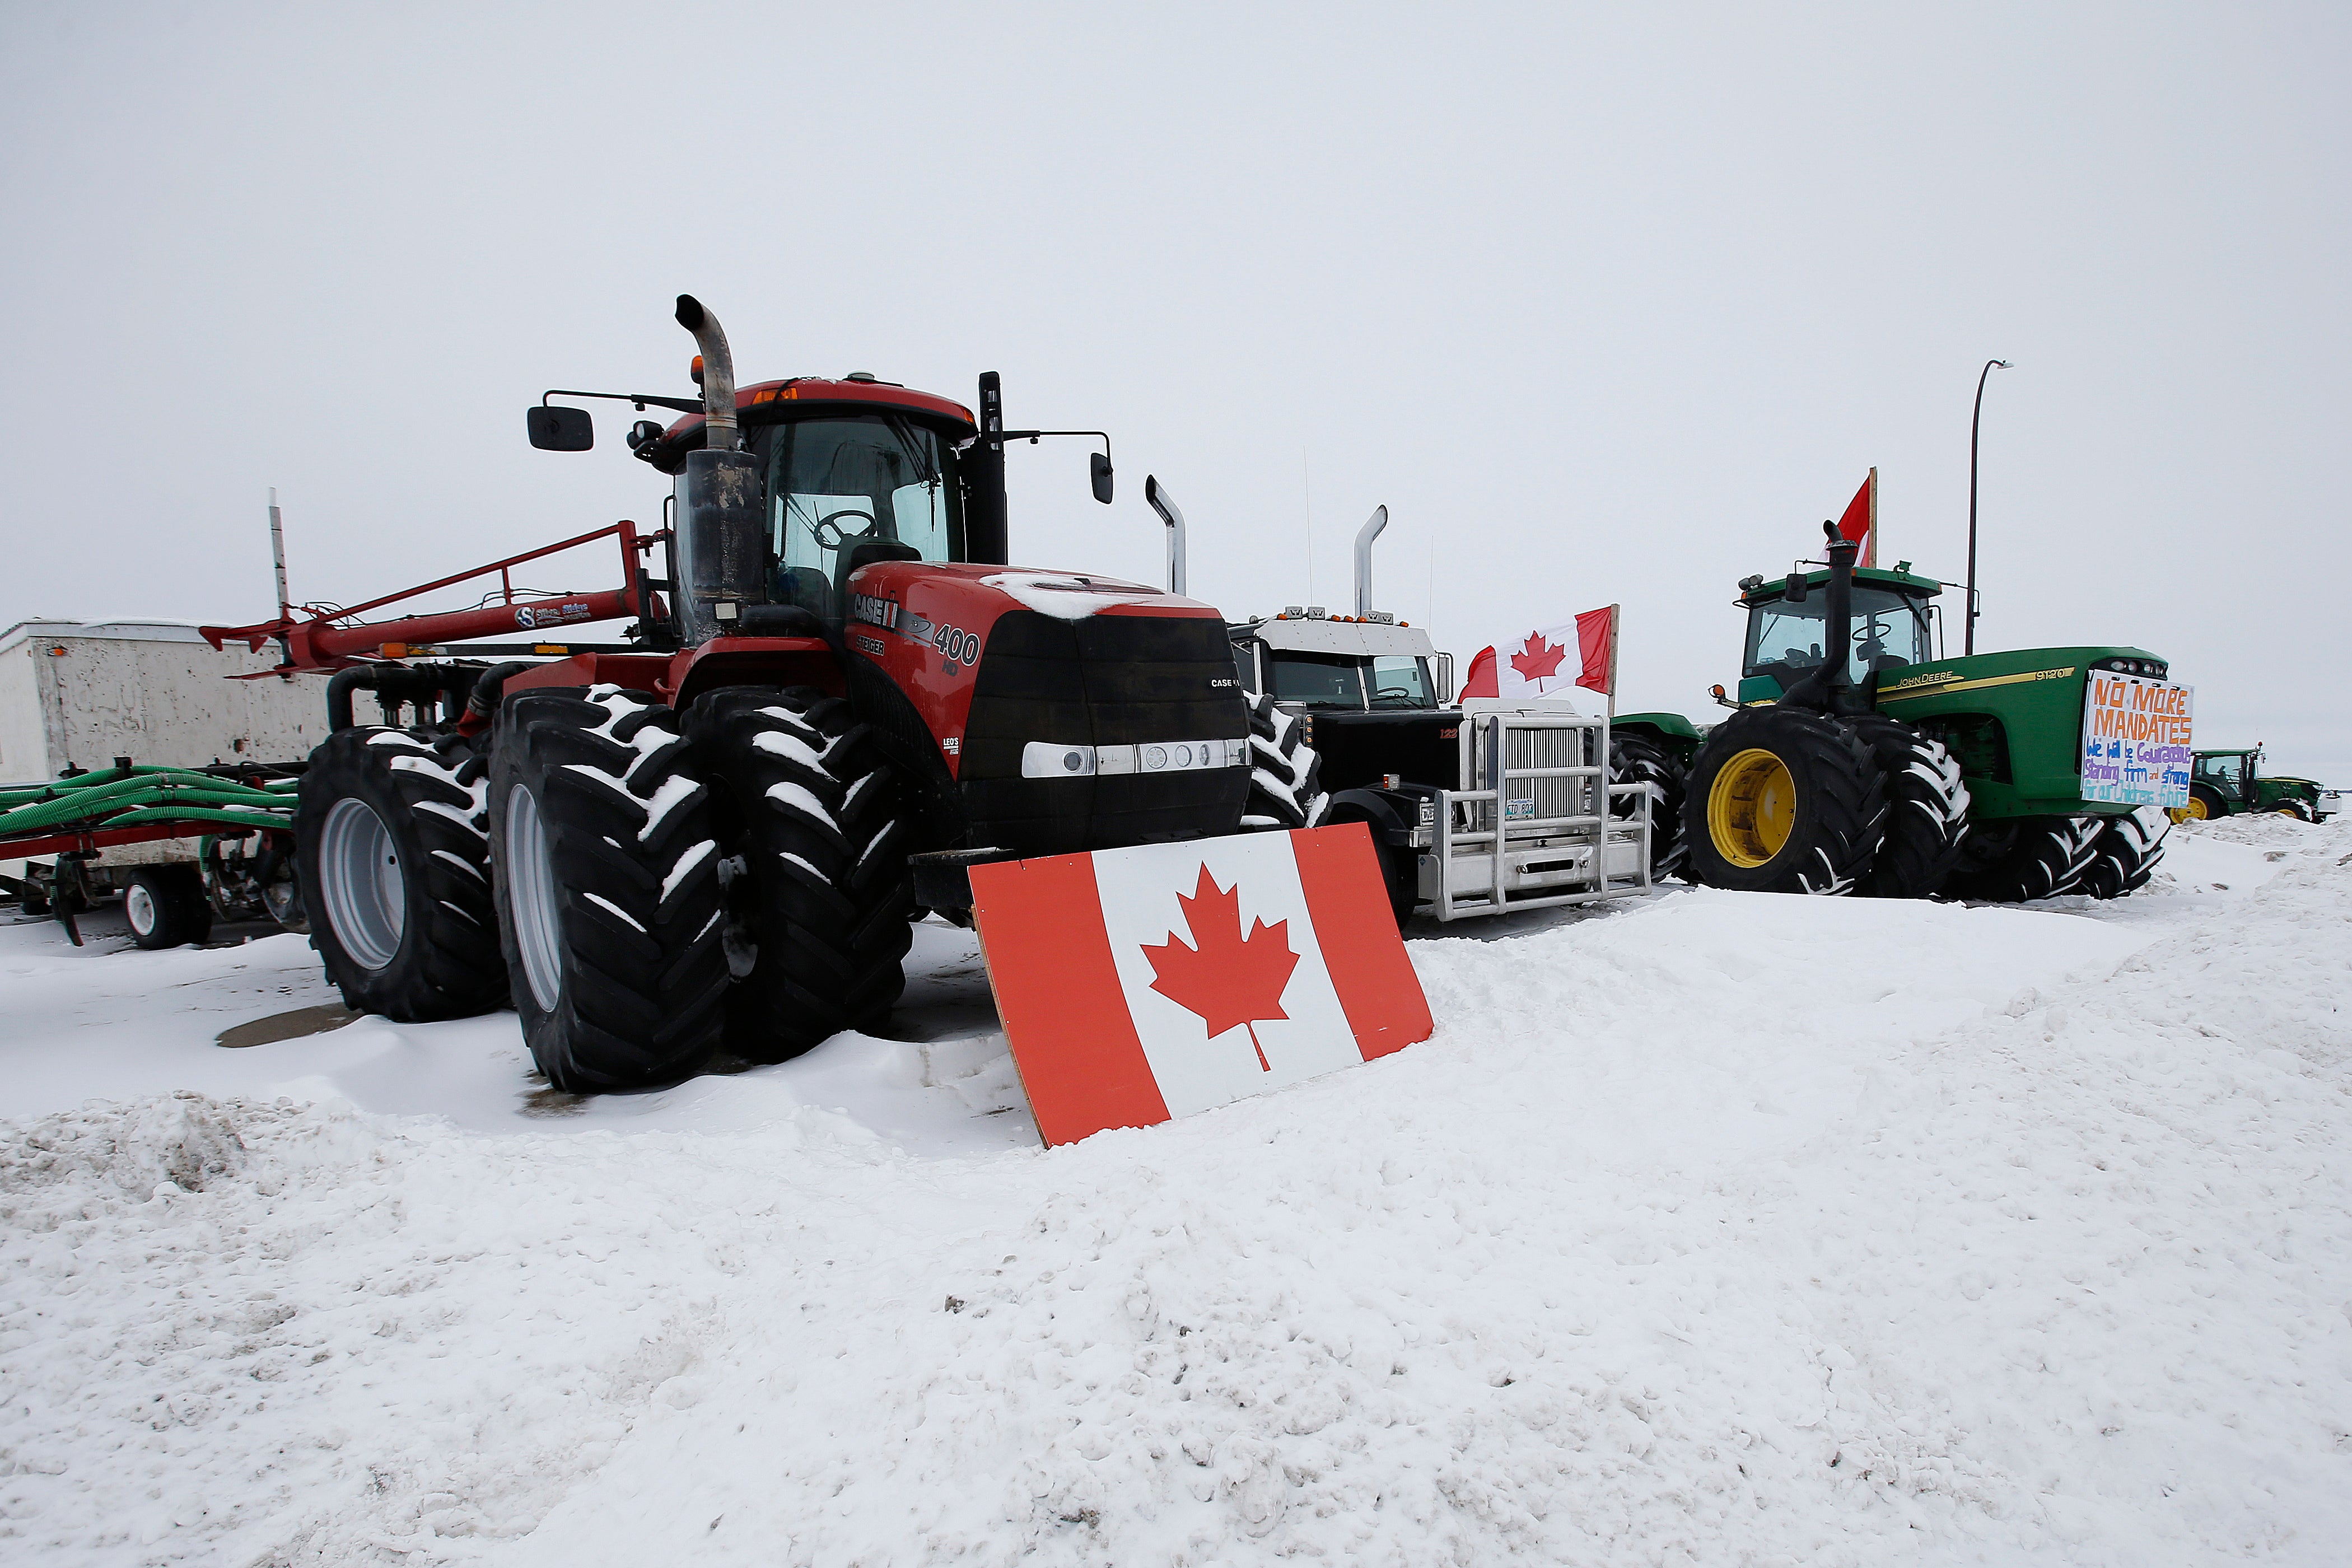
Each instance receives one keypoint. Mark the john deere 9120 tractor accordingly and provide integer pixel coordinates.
(836, 699)
(1886, 771)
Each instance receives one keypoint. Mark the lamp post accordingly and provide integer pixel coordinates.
(1974, 421)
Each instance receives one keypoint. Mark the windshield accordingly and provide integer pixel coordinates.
(2229, 771)
(1317, 679)
(1890, 629)
(835, 484)
(1400, 680)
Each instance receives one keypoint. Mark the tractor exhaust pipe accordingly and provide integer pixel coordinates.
(1830, 687)
(718, 372)
(1157, 496)
(1364, 537)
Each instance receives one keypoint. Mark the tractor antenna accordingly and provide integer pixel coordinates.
(718, 372)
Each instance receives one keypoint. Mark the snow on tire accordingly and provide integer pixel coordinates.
(1927, 811)
(393, 865)
(2022, 859)
(606, 870)
(1285, 775)
(2125, 854)
(1635, 758)
(1781, 800)
(818, 896)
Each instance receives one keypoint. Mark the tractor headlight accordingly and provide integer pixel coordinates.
(1046, 759)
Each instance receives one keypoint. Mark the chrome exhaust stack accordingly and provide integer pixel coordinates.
(1364, 537)
(1157, 496)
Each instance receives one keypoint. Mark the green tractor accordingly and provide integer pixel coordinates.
(2230, 784)
(1892, 773)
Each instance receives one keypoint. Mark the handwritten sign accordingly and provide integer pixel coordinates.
(2135, 739)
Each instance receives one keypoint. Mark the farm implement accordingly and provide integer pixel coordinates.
(244, 816)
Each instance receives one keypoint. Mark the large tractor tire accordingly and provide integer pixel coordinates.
(2022, 859)
(1927, 811)
(1638, 759)
(2204, 804)
(811, 822)
(395, 869)
(2125, 854)
(1285, 775)
(1781, 800)
(606, 871)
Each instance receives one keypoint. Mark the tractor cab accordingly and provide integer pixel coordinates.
(1895, 623)
(2229, 774)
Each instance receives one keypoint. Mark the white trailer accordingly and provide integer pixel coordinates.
(76, 697)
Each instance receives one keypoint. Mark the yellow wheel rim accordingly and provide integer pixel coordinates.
(1751, 807)
(2193, 812)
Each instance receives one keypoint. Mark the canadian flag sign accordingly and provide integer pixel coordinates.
(1860, 522)
(1145, 983)
(1536, 665)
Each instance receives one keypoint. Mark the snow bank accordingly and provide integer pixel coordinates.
(1719, 1228)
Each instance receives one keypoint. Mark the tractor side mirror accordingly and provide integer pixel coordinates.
(1099, 464)
(1795, 592)
(554, 429)
(1445, 678)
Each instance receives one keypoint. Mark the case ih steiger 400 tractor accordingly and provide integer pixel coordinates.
(839, 698)
(1892, 773)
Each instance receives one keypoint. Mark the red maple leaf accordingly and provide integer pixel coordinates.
(1537, 659)
(1229, 979)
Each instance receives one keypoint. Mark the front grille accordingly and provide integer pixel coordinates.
(1102, 681)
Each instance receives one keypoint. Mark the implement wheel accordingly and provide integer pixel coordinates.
(166, 906)
(809, 817)
(1780, 800)
(607, 879)
(396, 870)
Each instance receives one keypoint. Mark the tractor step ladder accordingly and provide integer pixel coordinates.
(1532, 829)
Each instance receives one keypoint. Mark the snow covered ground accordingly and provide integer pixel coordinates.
(1708, 1228)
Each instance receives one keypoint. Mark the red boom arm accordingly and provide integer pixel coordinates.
(317, 642)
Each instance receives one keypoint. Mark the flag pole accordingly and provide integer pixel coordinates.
(1870, 540)
(1612, 659)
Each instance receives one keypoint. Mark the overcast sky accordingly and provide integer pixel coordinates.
(1605, 303)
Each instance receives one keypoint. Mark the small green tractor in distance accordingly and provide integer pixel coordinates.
(1892, 773)
(2230, 784)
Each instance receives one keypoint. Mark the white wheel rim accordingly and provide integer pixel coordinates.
(139, 908)
(531, 899)
(362, 885)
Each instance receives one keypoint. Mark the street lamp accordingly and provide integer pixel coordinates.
(1975, 420)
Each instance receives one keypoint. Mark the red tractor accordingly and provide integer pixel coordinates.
(839, 699)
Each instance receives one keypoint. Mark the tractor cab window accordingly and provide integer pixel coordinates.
(1890, 629)
(837, 484)
(2226, 773)
(1316, 679)
(1402, 681)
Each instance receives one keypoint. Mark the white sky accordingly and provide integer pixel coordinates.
(1605, 303)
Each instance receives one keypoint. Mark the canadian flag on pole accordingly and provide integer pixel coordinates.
(1537, 664)
(1144, 984)
(1860, 522)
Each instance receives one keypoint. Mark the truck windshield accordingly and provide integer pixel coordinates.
(1400, 680)
(1316, 679)
(836, 483)
(1890, 629)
